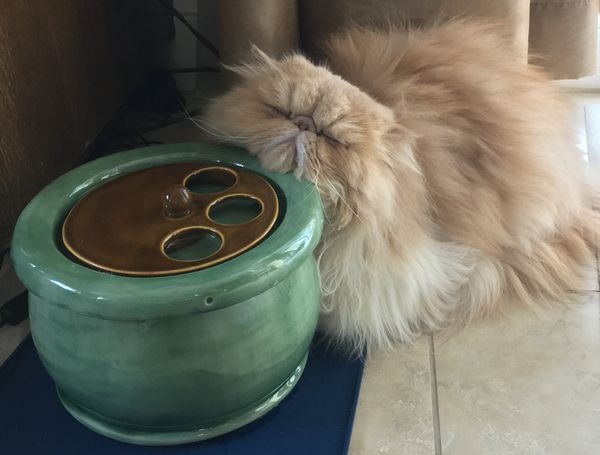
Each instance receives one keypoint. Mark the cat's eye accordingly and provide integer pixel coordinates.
(331, 139)
(278, 111)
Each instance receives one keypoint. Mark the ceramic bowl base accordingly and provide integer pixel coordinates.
(175, 436)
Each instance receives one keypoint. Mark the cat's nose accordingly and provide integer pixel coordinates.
(305, 123)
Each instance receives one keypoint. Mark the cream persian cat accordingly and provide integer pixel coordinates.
(447, 168)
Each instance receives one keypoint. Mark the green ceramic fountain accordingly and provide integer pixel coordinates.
(184, 349)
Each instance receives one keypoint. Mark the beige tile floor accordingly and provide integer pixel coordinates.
(515, 385)
(518, 385)
(522, 384)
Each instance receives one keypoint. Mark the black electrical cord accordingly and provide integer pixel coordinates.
(195, 69)
(15, 310)
(210, 46)
(159, 102)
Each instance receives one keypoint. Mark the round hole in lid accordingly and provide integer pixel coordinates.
(211, 180)
(235, 210)
(192, 244)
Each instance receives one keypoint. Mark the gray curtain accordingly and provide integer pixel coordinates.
(559, 34)
(564, 34)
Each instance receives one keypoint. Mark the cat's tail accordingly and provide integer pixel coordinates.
(552, 270)
(548, 272)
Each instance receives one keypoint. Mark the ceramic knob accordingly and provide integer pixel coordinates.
(177, 201)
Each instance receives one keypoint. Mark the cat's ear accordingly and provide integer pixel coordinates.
(254, 65)
(260, 56)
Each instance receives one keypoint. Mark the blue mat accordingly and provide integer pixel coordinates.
(315, 419)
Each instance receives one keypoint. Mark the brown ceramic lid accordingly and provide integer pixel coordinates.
(135, 224)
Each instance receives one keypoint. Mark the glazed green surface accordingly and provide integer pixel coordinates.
(178, 358)
(182, 373)
(184, 436)
(46, 271)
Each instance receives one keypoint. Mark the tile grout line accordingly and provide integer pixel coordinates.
(588, 147)
(597, 270)
(435, 409)
(587, 138)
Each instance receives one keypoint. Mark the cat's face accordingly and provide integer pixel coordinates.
(299, 117)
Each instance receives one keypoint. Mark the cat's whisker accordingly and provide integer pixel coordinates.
(328, 220)
(212, 129)
(279, 140)
(224, 141)
(215, 132)
(316, 163)
(343, 200)
(314, 188)
(331, 186)
(212, 133)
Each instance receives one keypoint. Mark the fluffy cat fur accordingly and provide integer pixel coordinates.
(447, 168)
